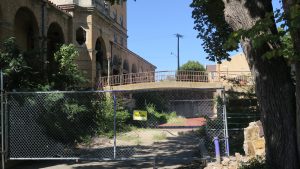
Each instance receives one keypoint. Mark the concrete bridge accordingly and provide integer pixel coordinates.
(175, 80)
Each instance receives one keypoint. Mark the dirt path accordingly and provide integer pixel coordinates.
(172, 148)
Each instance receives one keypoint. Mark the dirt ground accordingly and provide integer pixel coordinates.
(133, 164)
(172, 148)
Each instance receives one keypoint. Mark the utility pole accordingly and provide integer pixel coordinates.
(178, 37)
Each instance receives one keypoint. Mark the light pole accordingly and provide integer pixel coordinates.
(178, 37)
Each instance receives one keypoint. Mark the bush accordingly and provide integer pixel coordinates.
(71, 118)
(255, 163)
(155, 116)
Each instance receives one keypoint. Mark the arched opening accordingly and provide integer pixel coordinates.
(125, 67)
(55, 38)
(26, 29)
(134, 76)
(1, 23)
(80, 36)
(133, 68)
(101, 59)
(117, 62)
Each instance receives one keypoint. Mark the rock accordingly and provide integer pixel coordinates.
(225, 161)
(254, 146)
(254, 143)
(238, 157)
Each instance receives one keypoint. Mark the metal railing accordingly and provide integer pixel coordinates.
(235, 77)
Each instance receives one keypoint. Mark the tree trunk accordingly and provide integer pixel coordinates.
(295, 34)
(274, 87)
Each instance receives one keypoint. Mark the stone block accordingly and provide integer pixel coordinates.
(259, 143)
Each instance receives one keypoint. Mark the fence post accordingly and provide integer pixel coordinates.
(217, 149)
(115, 127)
(225, 124)
(2, 121)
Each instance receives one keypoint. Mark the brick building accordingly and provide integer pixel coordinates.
(98, 29)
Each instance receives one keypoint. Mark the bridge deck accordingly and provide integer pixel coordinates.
(174, 79)
(167, 85)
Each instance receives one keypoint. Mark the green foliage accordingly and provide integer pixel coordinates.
(255, 163)
(144, 98)
(212, 27)
(71, 119)
(219, 38)
(242, 108)
(68, 75)
(11, 59)
(25, 71)
(67, 118)
(16, 67)
(154, 115)
(105, 116)
(193, 66)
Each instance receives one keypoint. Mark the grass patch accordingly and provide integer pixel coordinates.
(177, 121)
(159, 137)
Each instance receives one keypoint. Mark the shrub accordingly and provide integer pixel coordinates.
(71, 118)
(154, 115)
(255, 163)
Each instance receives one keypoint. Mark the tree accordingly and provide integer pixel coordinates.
(16, 67)
(23, 71)
(192, 66)
(68, 75)
(222, 25)
(292, 18)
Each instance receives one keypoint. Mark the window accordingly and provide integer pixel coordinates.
(115, 16)
(121, 20)
(122, 41)
(115, 38)
(80, 36)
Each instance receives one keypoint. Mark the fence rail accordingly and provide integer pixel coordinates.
(236, 77)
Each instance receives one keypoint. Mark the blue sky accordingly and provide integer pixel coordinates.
(151, 28)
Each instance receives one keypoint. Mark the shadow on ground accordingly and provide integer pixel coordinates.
(182, 152)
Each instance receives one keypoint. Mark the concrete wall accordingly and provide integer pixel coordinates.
(238, 63)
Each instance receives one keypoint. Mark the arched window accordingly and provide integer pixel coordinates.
(26, 29)
(101, 59)
(80, 36)
(55, 38)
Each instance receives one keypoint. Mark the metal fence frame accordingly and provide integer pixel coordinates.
(5, 130)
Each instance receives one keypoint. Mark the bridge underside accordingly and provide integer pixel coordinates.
(167, 85)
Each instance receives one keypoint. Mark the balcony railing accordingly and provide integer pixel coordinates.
(243, 78)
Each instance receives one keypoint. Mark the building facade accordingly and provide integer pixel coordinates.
(97, 28)
(237, 69)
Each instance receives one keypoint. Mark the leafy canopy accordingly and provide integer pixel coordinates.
(219, 38)
(68, 75)
(212, 27)
(193, 66)
(24, 70)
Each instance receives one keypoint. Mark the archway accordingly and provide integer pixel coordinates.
(26, 29)
(125, 67)
(133, 68)
(101, 59)
(117, 62)
(134, 76)
(80, 36)
(55, 38)
(1, 23)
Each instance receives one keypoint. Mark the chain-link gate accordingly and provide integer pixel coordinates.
(115, 125)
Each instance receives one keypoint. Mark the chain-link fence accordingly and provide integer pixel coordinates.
(99, 125)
